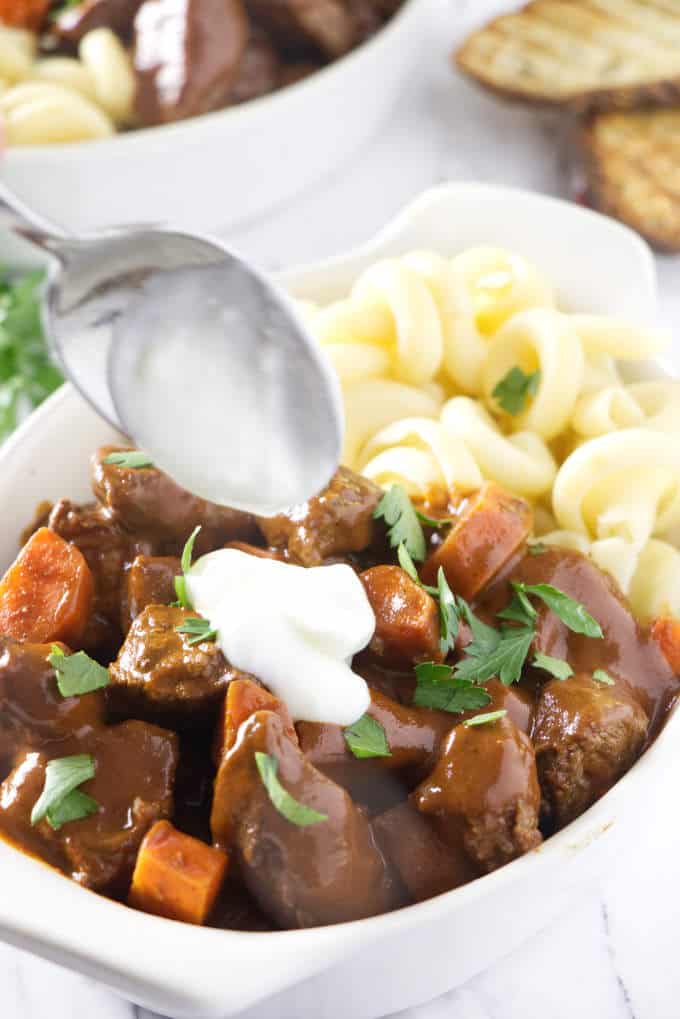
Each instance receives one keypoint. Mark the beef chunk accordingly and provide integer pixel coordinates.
(32, 710)
(107, 551)
(406, 617)
(259, 70)
(483, 793)
(73, 22)
(158, 670)
(145, 502)
(426, 865)
(586, 735)
(298, 25)
(325, 872)
(150, 581)
(135, 768)
(337, 521)
(187, 56)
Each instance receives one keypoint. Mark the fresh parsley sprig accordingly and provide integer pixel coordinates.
(515, 388)
(403, 525)
(573, 614)
(603, 677)
(437, 687)
(61, 800)
(367, 738)
(77, 674)
(197, 629)
(290, 808)
(180, 582)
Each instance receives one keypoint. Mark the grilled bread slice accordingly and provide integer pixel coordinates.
(633, 167)
(582, 54)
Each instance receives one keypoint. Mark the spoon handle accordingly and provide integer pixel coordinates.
(23, 220)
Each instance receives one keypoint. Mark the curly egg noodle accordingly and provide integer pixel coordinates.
(63, 99)
(421, 344)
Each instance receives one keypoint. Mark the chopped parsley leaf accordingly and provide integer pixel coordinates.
(489, 716)
(290, 808)
(603, 677)
(438, 688)
(131, 458)
(56, 803)
(198, 630)
(77, 674)
(403, 525)
(557, 667)
(366, 738)
(515, 388)
(180, 582)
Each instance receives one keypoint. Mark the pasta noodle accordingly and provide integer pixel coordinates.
(63, 99)
(457, 370)
(39, 112)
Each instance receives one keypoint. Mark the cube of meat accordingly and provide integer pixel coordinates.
(586, 735)
(159, 671)
(483, 793)
(426, 865)
(325, 872)
(33, 711)
(107, 550)
(146, 503)
(150, 581)
(406, 617)
(326, 25)
(135, 770)
(337, 521)
(491, 528)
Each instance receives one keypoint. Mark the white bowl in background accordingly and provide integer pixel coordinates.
(212, 171)
(377, 966)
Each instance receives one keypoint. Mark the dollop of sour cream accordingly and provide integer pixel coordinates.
(296, 629)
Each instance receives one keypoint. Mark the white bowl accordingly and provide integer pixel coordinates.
(380, 965)
(212, 171)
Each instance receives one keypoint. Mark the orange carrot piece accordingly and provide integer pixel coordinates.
(176, 875)
(244, 698)
(666, 632)
(24, 13)
(46, 594)
(490, 529)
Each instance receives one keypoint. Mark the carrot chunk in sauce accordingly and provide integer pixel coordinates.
(46, 594)
(666, 632)
(176, 875)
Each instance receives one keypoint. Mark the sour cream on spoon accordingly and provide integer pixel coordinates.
(296, 629)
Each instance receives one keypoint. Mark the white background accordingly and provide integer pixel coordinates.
(614, 955)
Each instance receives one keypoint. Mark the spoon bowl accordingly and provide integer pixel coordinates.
(181, 345)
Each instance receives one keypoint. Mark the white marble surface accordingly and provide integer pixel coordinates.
(614, 955)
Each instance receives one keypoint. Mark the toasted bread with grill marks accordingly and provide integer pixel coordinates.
(633, 166)
(587, 55)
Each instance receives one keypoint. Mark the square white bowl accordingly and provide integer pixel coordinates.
(371, 967)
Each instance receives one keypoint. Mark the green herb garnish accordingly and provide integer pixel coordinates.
(77, 674)
(403, 525)
(293, 811)
(433, 521)
(573, 614)
(557, 667)
(505, 660)
(603, 677)
(537, 548)
(490, 716)
(57, 802)
(449, 613)
(131, 458)
(27, 374)
(199, 629)
(407, 564)
(180, 582)
(438, 688)
(366, 738)
(515, 388)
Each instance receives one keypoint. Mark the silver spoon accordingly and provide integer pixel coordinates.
(193, 354)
